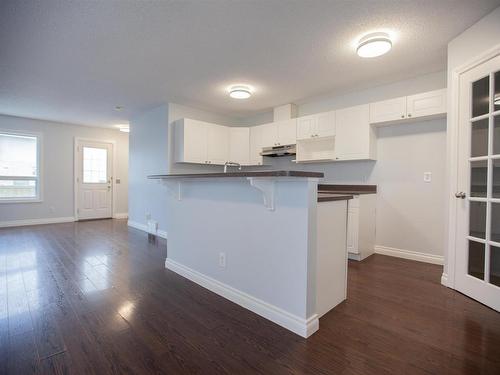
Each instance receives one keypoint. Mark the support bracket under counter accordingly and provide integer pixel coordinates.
(266, 186)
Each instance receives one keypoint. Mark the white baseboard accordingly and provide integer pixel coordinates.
(144, 228)
(408, 254)
(52, 220)
(302, 327)
(120, 215)
(444, 279)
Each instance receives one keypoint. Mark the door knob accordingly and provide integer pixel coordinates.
(460, 195)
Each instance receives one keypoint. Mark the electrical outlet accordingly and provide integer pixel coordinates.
(222, 260)
(427, 176)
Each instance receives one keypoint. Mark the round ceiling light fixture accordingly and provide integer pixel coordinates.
(240, 92)
(374, 44)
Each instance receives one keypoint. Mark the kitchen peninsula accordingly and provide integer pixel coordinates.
(261, 240)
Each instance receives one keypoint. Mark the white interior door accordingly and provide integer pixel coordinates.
(477, 264)
(94, 180)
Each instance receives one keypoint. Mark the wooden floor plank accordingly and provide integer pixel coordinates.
(94, 298)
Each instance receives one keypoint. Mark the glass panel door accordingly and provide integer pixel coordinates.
(483, 252)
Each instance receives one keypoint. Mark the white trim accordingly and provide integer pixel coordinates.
(75, 170)
(120, 215)
(409, 254)
(302, 327)
(144, 228)
(20, 223)
(444, 279)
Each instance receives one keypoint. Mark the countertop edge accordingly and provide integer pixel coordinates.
(280, 173)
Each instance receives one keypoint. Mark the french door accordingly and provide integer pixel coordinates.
(94, 180)
(477, 264)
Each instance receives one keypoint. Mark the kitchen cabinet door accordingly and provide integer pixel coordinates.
(191, 141)
(426, 104)
(287, 132)
(269, 135)
(256, 144)
(217, 144)
(388, 110)
(239, 145)
(355, 139)
(306, 127)
(325, 124)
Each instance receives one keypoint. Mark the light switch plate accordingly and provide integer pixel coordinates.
(427, 176)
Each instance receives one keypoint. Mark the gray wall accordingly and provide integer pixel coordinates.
(58, 165)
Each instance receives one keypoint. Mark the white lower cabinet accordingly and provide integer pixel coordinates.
(361, 226)
(355, 139)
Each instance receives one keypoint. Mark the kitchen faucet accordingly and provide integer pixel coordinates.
(231, 164)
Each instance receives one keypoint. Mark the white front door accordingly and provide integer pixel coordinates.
(477, 263)
(94, 180)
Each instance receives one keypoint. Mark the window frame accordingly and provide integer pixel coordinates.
(39, 162)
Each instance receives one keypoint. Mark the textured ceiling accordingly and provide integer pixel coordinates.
(74, 61)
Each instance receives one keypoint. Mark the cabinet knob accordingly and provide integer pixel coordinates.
(409, 114)
(402, 116)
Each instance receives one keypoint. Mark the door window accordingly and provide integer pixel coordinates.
(95, 165)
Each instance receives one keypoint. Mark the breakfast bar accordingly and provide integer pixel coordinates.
(261, 240)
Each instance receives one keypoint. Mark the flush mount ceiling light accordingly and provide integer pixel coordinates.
(374, 44)
(240, 92)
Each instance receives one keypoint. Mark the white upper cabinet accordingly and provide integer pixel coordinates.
(190, 144)
(217, 144)
(317, 125)
(239, 145)
(426, 104)
(355, 138)
(287, 132)
(201, 142)
(388, 110)
(256, 144)
(279, 133)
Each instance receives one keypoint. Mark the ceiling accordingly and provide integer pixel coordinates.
(74, 61)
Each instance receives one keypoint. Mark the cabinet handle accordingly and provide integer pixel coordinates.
(409, 114)
(402, 116)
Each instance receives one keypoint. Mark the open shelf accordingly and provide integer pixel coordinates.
(316, 150)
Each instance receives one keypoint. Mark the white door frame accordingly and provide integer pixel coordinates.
(448, 277)
(75, 174)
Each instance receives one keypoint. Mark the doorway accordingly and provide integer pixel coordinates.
(477, 259)
(93, 179)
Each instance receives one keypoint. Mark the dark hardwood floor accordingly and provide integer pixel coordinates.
(94, 298)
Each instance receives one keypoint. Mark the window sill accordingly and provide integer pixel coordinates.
(34, 200)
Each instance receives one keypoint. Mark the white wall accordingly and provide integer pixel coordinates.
(148, 155)
(57, 172)
(473, 42)
(151, 152)
(410, 213)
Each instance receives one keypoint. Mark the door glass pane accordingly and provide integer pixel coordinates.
(495, 191)
(477, 219)
(478, 178)
(496, 136)
(479, 138)
(476, 260)
(480, 96)
(95, 162)
(497, 91)
(495, 222)
(495, 265)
